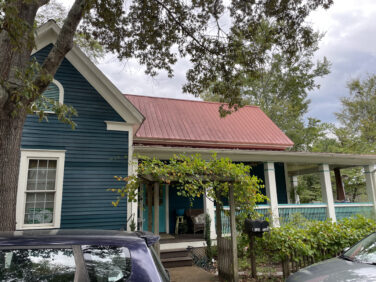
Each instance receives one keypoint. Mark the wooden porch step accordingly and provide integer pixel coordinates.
(174, 253)
(177, 262)
(176, 258)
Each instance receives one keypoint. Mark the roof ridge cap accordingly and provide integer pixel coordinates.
(185, 100)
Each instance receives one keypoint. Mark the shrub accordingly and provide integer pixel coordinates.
(309, 240)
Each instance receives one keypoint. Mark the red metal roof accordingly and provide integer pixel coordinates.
(176, 122)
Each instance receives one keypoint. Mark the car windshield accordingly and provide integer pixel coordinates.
(364, 251)
(65, 263)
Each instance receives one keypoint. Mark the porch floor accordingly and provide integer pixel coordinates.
(181, 241)
(172, 238)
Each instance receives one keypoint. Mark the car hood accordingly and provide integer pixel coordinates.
(335, 269)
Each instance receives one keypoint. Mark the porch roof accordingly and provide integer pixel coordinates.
(174, 122)
(297, 162)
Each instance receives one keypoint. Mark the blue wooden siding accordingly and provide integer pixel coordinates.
(93, 154)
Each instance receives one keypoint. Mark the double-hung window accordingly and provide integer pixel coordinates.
(40, 189)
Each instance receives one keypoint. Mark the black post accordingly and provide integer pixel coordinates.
(253, 256)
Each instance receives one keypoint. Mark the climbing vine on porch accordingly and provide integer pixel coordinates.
(196, 177)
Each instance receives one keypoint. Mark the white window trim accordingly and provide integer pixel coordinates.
(124, 126)
(59, 156)
(132, 207)
(61, 91)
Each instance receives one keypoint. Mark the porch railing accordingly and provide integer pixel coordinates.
(309, 211)
(351, 209)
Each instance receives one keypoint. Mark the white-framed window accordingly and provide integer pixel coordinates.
(54, 91)
(40, 189)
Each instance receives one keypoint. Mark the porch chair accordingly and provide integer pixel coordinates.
(196, 218)
(199, 223)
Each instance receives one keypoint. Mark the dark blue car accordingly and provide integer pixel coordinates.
(79, 255)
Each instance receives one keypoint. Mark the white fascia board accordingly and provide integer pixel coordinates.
(119, 126)
(47, 34)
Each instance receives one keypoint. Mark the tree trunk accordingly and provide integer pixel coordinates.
(15, 49)
(10, 139)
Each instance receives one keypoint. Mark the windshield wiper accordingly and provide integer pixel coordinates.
(346, 258)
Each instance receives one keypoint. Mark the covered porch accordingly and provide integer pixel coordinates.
(279, 171)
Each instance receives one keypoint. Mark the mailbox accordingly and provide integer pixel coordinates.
(256, 227)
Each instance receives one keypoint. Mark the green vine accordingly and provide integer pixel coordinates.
(193, 176)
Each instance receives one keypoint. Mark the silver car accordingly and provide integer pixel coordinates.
(356, 264)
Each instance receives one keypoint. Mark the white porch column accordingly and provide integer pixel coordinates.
(294, 185)
(271, 192)
(209, 209)
(369, 171)
(132, 207)
(327, 191)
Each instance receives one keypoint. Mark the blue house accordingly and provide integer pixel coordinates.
(65, 173)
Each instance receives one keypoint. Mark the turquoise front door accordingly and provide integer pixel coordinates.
(162, 209)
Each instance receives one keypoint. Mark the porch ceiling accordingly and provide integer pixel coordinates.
(297, 162)
(301, 168)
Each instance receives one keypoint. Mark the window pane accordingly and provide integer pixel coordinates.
(106, 263)
(31, 197)
(50, 185)
(32, 179)
(52, 164)
(42, 164)
(50, 197)
(41, 197)
(37, 265)
(33, 164)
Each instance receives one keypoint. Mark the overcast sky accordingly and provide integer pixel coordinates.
(349, 44)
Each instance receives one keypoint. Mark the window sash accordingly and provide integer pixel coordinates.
(40, 203)
(49, 195)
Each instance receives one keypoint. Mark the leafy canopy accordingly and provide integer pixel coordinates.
(227, 42)
(358, 115)
(196, 177)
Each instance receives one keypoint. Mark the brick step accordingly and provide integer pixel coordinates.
(177, 262)
(174, 253)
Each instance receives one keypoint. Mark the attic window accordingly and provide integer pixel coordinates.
(54, 91)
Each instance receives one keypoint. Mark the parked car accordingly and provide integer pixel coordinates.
(355, 264)
(79, 255)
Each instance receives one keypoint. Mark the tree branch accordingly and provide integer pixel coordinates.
(63, 45)
(184, 29)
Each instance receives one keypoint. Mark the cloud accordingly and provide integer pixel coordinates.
(130, 78)
(350, 46)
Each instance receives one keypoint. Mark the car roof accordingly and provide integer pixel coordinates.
(73, 236)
